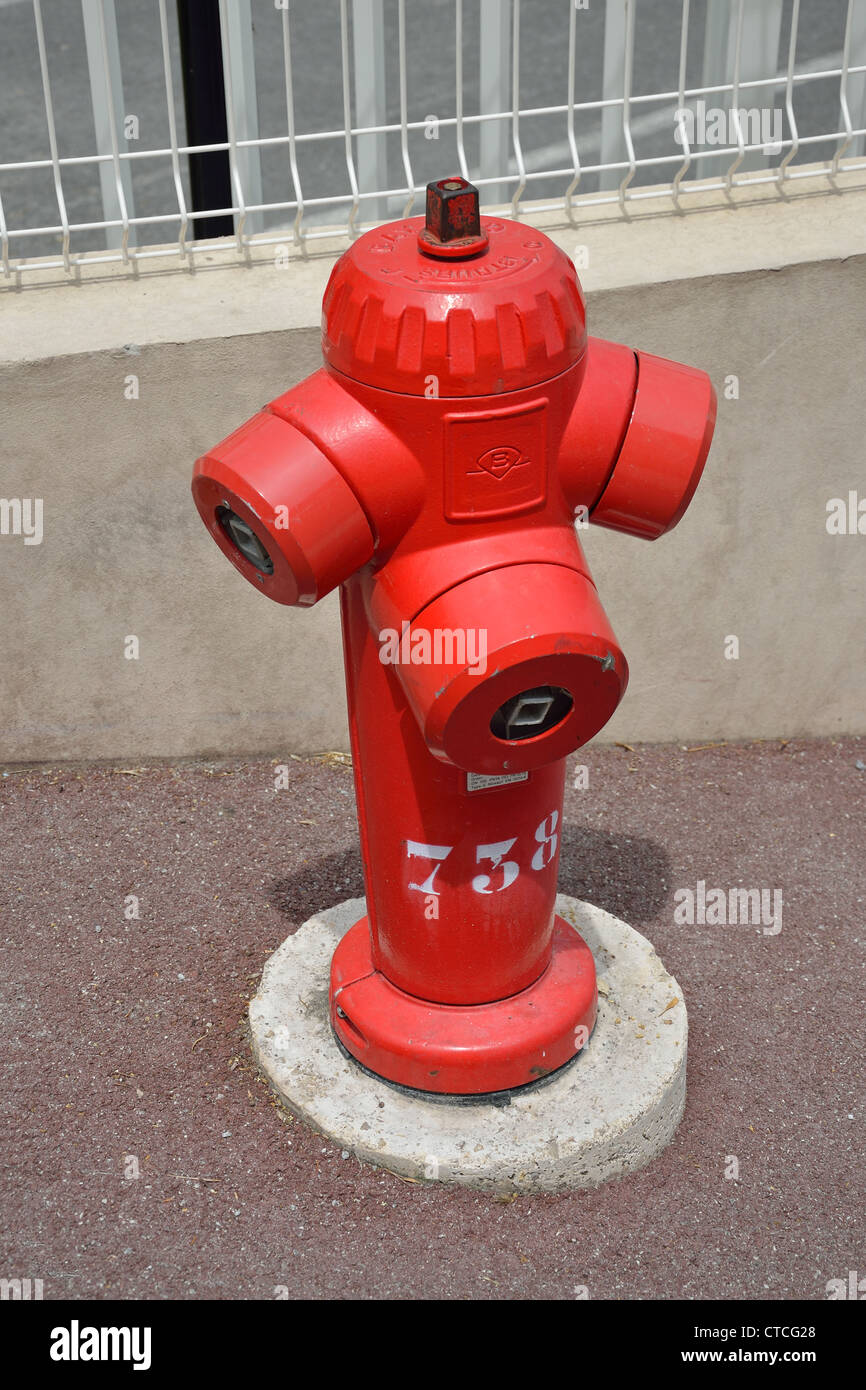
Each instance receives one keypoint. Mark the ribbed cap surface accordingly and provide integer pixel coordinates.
(395, 317)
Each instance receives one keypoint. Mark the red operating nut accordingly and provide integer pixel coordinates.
(281, 512)
(664, 450)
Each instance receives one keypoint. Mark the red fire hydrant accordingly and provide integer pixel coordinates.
(434, 469)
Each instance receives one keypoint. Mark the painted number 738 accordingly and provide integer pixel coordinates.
(501, 872)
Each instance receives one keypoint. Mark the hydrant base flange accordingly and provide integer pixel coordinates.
(463, 1049)
(610, 1112)
(453, 1098)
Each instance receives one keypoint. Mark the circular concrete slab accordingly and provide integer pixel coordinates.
(607, 1113)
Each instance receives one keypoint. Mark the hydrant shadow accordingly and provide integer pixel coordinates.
(627, 877)
(319, 884)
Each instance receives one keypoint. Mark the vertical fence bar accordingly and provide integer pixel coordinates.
(515, 110)
(347, 118)
(758, 57)
(368, 57)
(847, 139)
(855, 83)
(681, 124)
(52, 130)
(242, 111)
(404, 112)
(4, 243)
(239, 194)
(789, 92)
(736, 122)
(298, 225)
(572, 138)
(106, 98)
(458, 89)
(495, 95)
(613, 149)
(204, 100)
(172, 128)
(628, 78)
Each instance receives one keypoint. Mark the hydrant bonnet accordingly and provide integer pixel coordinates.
(509, 316)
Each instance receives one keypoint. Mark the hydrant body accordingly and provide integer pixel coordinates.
(436, 469)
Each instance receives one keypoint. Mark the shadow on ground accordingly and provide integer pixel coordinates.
(627, 879)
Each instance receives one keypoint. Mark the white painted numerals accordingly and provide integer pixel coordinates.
(502, 872)
(547, 841)
(439, 852)
(483, 883)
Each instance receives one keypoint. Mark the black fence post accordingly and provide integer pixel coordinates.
(205, 105)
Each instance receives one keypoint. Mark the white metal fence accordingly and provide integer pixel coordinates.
(337, 112)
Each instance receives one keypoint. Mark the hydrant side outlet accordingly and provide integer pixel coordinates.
(435, 470)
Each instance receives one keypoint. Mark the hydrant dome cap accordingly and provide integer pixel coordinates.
(509, 317)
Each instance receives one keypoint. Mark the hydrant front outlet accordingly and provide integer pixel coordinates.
(434, 470)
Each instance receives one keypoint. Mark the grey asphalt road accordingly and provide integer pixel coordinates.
(29, 199)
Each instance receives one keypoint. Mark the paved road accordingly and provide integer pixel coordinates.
(145, 1158)
(29, 199)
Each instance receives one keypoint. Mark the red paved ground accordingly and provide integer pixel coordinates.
(124, 1037)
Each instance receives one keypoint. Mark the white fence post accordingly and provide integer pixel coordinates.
(495, 95)
(106, 97)
(242, 112)
(855, 87)
(613, 147)
(368, 52)
(758, 57)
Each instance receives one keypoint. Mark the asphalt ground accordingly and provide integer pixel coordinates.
(143, 1157)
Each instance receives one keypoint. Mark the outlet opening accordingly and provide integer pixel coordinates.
(244, 538)
(531, 713)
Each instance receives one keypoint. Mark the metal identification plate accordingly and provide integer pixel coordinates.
(480, 781)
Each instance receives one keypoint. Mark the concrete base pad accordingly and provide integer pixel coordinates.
(607, 1113)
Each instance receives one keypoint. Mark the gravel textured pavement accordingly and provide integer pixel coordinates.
(143, 1157)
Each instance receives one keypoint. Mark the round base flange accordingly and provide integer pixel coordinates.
(610, 1112)
(461, 1049)
(499, 1098)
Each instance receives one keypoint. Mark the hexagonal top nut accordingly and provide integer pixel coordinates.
(453, 222)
